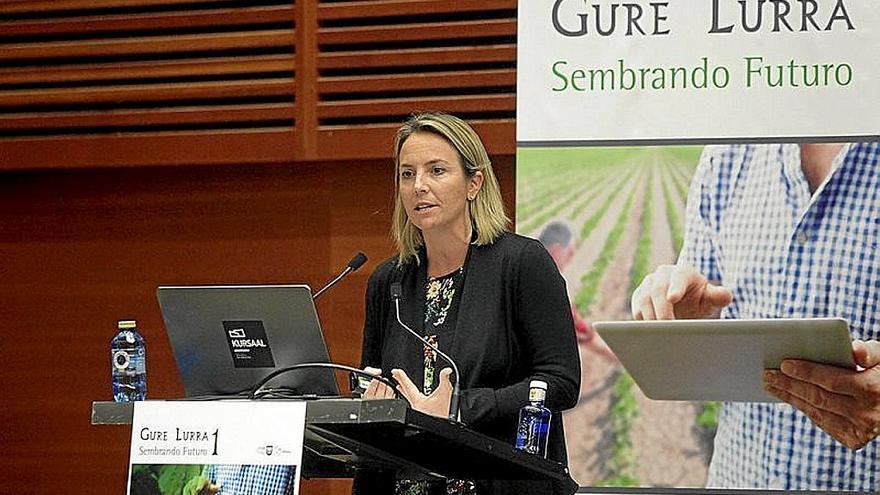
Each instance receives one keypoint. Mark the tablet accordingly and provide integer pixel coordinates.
(721, 359)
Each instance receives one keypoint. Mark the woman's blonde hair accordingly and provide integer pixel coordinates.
(486, 210)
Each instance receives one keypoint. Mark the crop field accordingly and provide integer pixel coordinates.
(625, 209)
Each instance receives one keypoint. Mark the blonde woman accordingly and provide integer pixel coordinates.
(491, 299)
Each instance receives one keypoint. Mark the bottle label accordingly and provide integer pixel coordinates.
(121, 360)
(537, 394)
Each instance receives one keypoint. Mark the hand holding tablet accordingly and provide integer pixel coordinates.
(843, 402)
(721, 359)
(808, 363)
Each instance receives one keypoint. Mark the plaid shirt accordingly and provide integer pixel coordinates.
(248, 479)
(753, 225)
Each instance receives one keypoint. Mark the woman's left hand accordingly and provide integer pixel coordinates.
(377, 389)
(436, 404)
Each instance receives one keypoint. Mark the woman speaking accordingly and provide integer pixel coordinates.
(493, 300)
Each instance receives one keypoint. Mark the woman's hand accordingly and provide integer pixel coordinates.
(436, 404)
(377, 389)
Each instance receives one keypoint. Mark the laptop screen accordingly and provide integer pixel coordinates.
(226, 339)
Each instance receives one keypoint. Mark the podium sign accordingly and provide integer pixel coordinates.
(219, 447)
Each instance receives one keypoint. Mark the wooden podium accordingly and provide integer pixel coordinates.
(343, 436)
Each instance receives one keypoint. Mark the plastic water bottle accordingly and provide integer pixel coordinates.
(533, 429)
(128, 365)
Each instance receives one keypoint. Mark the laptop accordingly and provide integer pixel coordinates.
(225, 339)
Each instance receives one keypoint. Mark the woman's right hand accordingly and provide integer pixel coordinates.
(377, 389)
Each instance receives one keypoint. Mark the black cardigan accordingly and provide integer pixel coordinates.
(514, 325)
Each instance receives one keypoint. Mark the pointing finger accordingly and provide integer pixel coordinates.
(718, 295)
(682, 279)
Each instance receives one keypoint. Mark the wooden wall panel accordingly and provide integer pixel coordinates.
(380, 61)
(78, 73)
(147, 142)
(185, 148)
(81, 74)
(81, 249)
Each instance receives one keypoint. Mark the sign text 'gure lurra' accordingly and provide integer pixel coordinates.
(576, 18)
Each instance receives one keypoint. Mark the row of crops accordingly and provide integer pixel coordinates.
(586, 196)
(625, 208)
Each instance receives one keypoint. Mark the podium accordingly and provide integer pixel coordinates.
(343, 436)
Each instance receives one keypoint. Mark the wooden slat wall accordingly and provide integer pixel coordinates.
(299, 78)
(78, 73)
(382, 60)
(147, 142)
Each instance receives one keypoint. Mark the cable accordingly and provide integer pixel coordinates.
(255, 392)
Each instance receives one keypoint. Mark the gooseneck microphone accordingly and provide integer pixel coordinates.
(355, 263)
(456, 387)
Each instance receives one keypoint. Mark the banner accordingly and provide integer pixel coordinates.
(218, 447)
(660, 72)
(615, 102)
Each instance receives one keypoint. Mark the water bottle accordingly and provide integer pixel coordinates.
(128, 365)
(533, 429)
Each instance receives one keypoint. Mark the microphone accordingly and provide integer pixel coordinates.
(355, 263)
(456, 387)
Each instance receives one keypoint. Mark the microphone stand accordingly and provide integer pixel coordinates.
(355, 263)
(333, 282)
(456, 387)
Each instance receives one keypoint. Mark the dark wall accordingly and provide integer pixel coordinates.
(82, 249)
